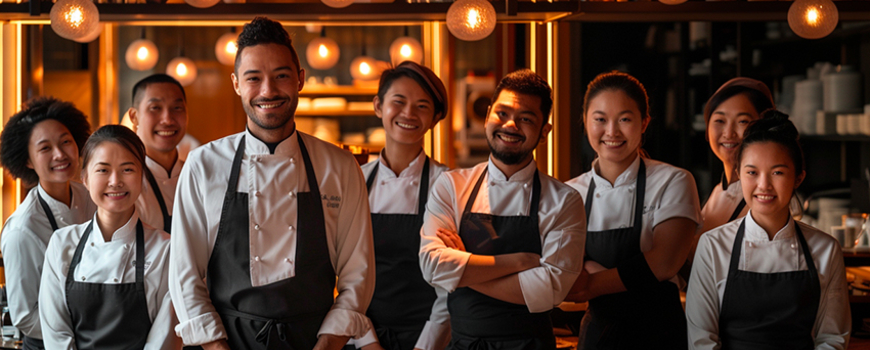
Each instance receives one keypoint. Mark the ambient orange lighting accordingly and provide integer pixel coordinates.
(813, 16)
(323, 51)
(364, 68)
(231, 48)
(142, 53)
(405, 51)
(473, 18)
(74, 16)
(181, 69)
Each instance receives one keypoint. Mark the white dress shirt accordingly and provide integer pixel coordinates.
(561, 222)
(147, 204)
(391, 194)
(761, 254)
(25, 237)
(271, 181)
(112, 262)
(721, 205)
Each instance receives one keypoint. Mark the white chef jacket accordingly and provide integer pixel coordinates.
(761, 254)
(721, 205)
(271, 181)
(147, 205)
(23, 242)
(112, 262)
(391, 194)
(561, 222)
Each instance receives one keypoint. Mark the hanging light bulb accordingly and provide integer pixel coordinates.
(141, 55)
(406, 49)
(813, 19)
(471, 20)
(322, 53)
(365, 68)
(226, 47)
(182, 69)
(75, 19)
(202, 3)
(672, 2)
(337, 3)
(91, 36)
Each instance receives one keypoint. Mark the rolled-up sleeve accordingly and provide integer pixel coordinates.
(834, 320)
(23, 255)
(199, 323)
(562, 252)
(441, 266)
(702, 299)
(353, 258)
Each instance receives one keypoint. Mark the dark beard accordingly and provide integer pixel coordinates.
(277, 121)
(509, 158)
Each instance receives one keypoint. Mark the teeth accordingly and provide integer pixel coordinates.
(730, 145)
(612, 143)
(166, 133)
(116, 194)
(61, 167)
(509, 138)
(267, 106)
(765, 198)
(406, 126)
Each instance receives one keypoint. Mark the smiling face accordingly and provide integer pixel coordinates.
(768, 177)
(53, 153)
(615, 127)
(407, 112)
(727, 124)
(515, 125)
(113, 177)
(160, 119)
(268, 82)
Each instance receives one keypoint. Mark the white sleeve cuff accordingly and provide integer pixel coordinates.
(202, 329)
(367, 339)
(343, 322)
(435, 336)
(537, 289)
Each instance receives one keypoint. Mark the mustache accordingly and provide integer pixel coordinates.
(508, 133)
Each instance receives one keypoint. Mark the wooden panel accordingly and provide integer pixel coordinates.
(213, 108)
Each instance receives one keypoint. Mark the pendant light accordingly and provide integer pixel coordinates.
(142, 54)
(322, 52)
(672, 2)
(226, 47)
(337, 3)
(202, 3)
(471, 20)
(181, 68)
(363, 67)
(406, 48)
(75, 19)
(813, 19)
(92, 36)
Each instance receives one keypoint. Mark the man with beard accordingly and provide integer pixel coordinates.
(521, 233)
(269, 221)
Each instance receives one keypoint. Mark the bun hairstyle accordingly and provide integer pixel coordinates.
(118, 134)
(775, 127)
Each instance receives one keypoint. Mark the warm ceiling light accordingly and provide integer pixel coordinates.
(813, 19)
(672, 2)
(406, 49)
(182, 69)
(75, 19)
(338, 3)
(365, 68)
(225, 49)
(202, 3)
(322, 53)
(471, 20)
(92, 36)
(141, 55)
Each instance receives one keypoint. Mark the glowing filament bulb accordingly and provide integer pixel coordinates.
(181, 69)
(142, 53)
(75, 16)
(323, 51)
(231, 47)
(364, 68)
(813, 16)
(473, 18)
(405, 50)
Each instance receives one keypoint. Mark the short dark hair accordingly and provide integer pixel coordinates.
(118, 134)
(264, 31)
(391, 75)
(143, 84)
(526, 82)
(15, 139)
(618, 81)
(775, 127)
(758, 99)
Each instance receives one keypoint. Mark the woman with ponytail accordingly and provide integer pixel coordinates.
(767, 281)
(641, 215)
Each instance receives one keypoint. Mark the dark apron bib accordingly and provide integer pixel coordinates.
(282, 315)
(109, 316)
(167, 218)
(653, 317)
(399, 284)
(35, 343)
(478, 321)
(769, 310)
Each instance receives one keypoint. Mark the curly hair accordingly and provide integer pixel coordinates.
(264, 31)
(15, 139)
(527, 82)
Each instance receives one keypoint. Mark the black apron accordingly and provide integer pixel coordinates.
(652, 318)
(399, 284)
(109, 316)
(167, 218)
(282, 315)
(30, 343)
(479, 322)
(769, 310)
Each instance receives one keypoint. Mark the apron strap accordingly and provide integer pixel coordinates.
(47, 211)
(167, 218)
(737, 248)
(638, 202)
(474, 191)
(233, 183)
(140, 254)
(371, 179)
(78, 254)
(536, 194)
(738, 210)
(811, 265)
(422, 198)
(309, 169)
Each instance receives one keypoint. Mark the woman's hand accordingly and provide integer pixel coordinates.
(593, 267)
(450, 239)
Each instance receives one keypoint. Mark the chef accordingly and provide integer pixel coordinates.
(642, 215)
(273, 219)
(159, 116)
(521, 233)
(767, 281)
(40, 145)
(406, 311)
(105, 282)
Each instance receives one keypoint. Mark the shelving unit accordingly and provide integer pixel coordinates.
(349, 121)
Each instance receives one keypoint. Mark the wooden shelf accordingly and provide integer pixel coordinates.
(334, 113)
